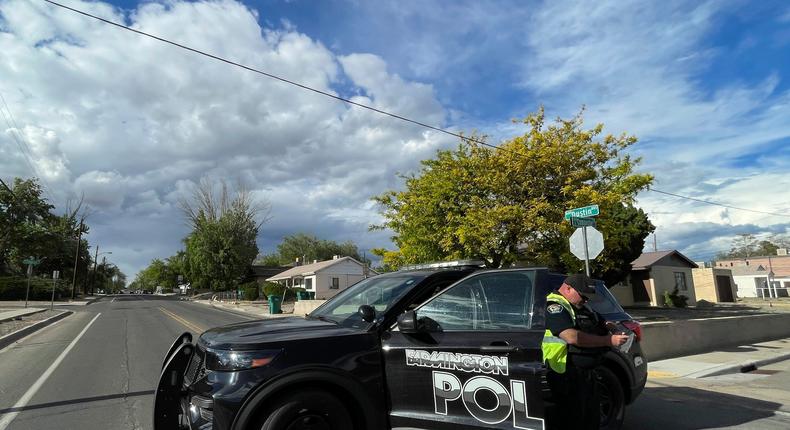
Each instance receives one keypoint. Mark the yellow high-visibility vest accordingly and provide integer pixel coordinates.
(555, 350)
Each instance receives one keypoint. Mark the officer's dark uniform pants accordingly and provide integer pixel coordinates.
(578, 404)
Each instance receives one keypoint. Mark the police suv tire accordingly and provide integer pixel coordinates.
(306, 410)
(611, 387)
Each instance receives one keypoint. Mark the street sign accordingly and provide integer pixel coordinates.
(583, 222)
(585, 212)
(594, 243)
(586, 244)
(55, 274)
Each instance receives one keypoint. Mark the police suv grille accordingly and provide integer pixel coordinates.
(194, 367)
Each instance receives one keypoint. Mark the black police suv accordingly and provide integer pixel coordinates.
(448, 348)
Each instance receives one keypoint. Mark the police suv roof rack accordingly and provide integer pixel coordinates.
(444, 264)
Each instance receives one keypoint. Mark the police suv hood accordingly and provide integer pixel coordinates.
(255, 334)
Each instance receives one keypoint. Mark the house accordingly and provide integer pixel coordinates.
(324, 278)
(751, 274)
(752, 281)
(653, 273)
(713, 284)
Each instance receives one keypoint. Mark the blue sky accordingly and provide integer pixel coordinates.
(133, 124)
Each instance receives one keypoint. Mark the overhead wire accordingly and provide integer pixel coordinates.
(23, 145)
(351, 102)
(786, 215)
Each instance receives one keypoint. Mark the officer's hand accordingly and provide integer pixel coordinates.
(618, 339)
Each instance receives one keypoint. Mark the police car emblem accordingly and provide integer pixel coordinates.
(554, 308)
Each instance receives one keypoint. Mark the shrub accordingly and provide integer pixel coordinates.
(14, 287)
(273, 288)
(675, 299)
(250, 290)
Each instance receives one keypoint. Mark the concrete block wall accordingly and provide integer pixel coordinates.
(302, 307)
(662, 340)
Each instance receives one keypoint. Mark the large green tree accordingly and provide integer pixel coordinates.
(29, 228)
(506, 205)
(222, 244)
(307, 248)
(747, 245)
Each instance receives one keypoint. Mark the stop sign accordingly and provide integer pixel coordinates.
(594, 243)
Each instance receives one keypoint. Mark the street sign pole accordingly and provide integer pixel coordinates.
(55, 276)
(586, 252)
(29, 274)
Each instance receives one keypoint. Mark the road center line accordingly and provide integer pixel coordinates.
(6, 419)
(186, 323)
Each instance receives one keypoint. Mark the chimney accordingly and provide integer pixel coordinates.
(335, 257)
(315, 261)
(781, 251)
(297, 261)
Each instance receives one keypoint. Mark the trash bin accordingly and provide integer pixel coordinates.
(302, 295)
(311, 295)
(274, 304)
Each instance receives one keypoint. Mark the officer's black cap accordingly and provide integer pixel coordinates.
(581, 283)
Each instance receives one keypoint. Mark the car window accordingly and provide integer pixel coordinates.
(381, 292)
(604, 302)
(489, 301)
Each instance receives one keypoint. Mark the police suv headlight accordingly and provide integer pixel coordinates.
(229, 361)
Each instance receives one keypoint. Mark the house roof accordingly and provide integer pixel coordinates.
(649, 259)
(748, 270)
(309, 269)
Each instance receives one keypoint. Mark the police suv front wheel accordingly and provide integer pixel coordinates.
(612, 397)
(306, 410)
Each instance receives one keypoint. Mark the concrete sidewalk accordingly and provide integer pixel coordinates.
(16, 304)
(254, 309)
(723, 361)
(11, 314)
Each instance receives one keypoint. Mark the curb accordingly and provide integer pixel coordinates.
(240, 312)
(235, 312)
(743, 367)
(19, 334)
(23, 315)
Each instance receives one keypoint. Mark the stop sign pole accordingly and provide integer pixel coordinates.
(586, 252)
(586, 242)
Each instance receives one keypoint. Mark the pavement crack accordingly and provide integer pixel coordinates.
(129, 404)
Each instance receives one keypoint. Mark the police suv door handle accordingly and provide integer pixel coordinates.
(500, 346)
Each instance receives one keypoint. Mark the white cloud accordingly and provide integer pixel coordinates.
(136, 122)
(640, 68)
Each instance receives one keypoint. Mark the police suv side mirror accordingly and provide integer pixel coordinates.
(367, 312)
(407, 322)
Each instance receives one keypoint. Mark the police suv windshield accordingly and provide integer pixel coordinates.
(380, 292)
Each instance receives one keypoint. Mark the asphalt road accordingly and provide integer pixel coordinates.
(97, 369)
(106, 378)
(756, 400)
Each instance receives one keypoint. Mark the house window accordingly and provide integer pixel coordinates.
(680, 281)
(308, 284)
(335, 284)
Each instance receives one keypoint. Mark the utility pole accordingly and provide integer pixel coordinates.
(76, 258)
(95, 262)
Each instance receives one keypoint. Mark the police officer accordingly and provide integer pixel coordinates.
(573, 346)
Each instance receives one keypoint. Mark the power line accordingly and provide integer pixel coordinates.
(279, 78)
(345, 100)
(24, 146)
(718, 204)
